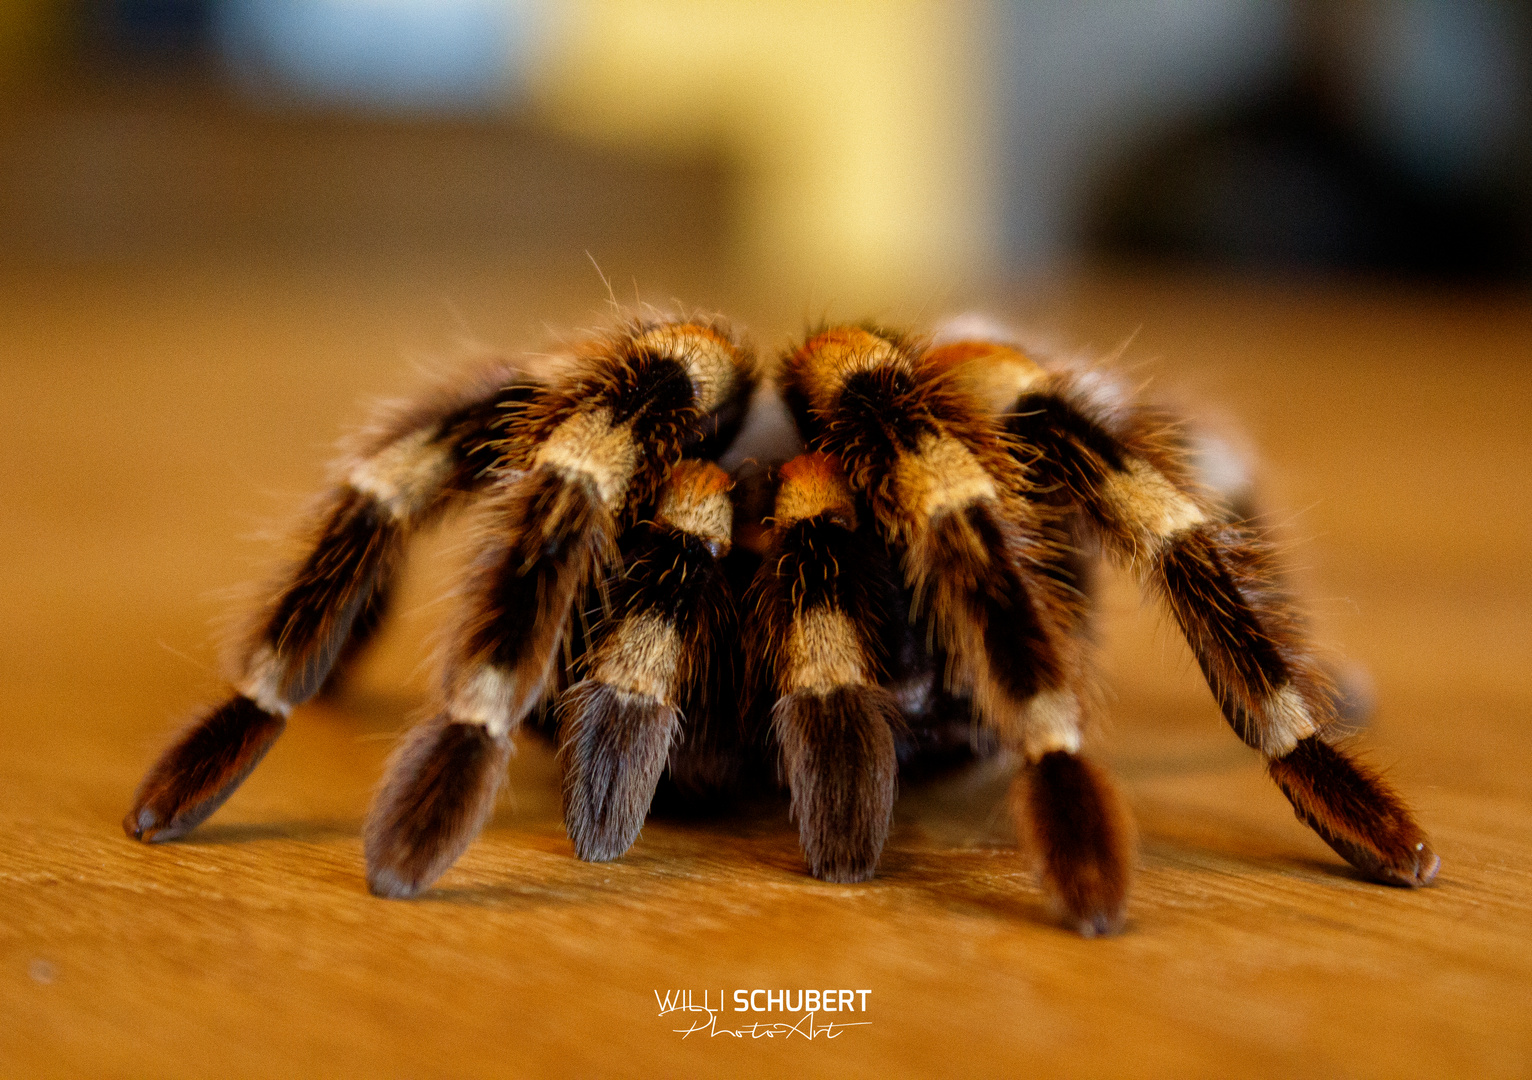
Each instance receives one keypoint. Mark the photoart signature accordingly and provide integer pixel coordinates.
(804, 1027)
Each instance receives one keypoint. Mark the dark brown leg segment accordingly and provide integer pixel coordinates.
(440, 789)
(1356, 813)
(613, 750)
(201, 770)
(838, 752)
(1083, 837)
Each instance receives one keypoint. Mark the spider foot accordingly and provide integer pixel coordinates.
(439, 791)
(1356, 813)
(1083, 838)
(201, 770)
(838, 750)
(613, 749)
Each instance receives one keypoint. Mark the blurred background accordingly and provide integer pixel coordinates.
(863, 149)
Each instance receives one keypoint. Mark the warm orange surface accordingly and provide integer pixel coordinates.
(152, 425)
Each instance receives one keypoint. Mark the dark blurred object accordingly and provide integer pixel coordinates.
(1395, 140)
(144, 33)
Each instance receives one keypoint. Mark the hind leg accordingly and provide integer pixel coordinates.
(328, 602)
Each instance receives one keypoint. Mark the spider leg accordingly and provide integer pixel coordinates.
(370, 617)
(1079, 829)
(326, 604)
(817, 629)
(654, 657)
(439, 786)
(586, 453)
(1125, 468)
(1224, 469)
(1068, 810)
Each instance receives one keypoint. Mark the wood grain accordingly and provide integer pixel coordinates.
(151, 425)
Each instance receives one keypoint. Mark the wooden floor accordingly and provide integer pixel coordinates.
(156, 424)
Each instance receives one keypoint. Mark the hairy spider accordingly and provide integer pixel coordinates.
(911, 587)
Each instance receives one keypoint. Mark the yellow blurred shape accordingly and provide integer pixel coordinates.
(860, 129)
(27, 27)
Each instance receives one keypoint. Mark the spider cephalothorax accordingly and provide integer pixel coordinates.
(909, 585)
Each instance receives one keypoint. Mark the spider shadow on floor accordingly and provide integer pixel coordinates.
(318, 830)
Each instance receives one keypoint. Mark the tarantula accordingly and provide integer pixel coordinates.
(910, 587)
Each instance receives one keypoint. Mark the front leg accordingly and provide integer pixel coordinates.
(659, 653)
(818, 621)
